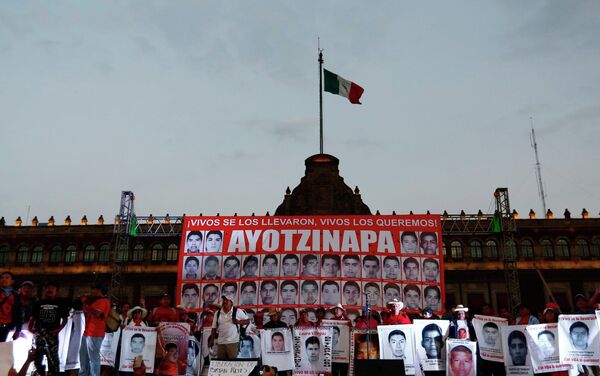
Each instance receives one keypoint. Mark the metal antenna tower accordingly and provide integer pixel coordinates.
(538, 167)
(121, 232)
(506, 220)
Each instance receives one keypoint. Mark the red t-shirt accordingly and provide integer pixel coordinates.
(164, 314)
(96, 326)
(400, 319)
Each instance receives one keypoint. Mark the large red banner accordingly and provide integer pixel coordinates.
(313, 261)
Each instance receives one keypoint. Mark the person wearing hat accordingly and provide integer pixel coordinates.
(460, 325)
(274, 320)
(225, 328)
(551, 312)
(338, 311)
(136, 316)
(396, 316)
(582, 305)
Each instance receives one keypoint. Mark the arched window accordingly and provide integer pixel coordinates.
(22, 255)
(562, 248)
(157, 252)
(138, 252)
(547, 248)
(4, 254)
(123, 253)
(526, 248)
(71, 254)
(491, 249)
(36, 254)
(583, 248)
(456, 250)
(172, 252)
(595, 247)
(56, 254)
(476, 251)
(511, 249)
(89, 254)
(104, 254)
(444, 250)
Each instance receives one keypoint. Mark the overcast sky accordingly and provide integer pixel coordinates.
(212, 106)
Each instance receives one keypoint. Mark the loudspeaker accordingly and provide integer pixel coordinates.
(379, 367)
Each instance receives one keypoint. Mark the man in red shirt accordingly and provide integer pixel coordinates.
(164, 312)
(396, 317)
(96, 309)
(10, 307)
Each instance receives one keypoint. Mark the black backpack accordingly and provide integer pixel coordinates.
(241, 329)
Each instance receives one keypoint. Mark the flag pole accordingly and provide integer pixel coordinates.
(321, 101)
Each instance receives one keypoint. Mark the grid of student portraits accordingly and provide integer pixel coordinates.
(284, 278)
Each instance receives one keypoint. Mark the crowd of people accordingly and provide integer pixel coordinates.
(47, 315)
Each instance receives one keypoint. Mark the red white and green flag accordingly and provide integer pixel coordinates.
(338, 85)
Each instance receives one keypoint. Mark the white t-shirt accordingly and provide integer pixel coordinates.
(228, 331)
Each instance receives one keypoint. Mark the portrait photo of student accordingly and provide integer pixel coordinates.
(248, 293)
(351, 266)
(246, 347)
(432, 297)
(213, 241)
(410, 269)
(461, 361)
(136, 344)
(193, 242)
(290, 265)
(191, 268)
(330, 293)
(371, 267)
(313, 351)
(432, 341)
(268, 292)
(412, 297)
(309, 292)
(351, 295)
(288, 292)
(231, 267)
(546, 341)
(250, 266)
(210, 294)
(229, 289)
(391, 267)
(491, 334)
(429, 243)
(409, 243)
(277, 342)
(310, 265)
(190, 295)
(372, 291)
(330, 266)
(579, 334)
(391, 291)
(269, 265)
(431, 270)
(289, 316)
(212, 268)
(397, 344)
(517, 348)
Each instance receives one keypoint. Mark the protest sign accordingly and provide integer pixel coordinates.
(397, 342)
(542, 343)
(108, 349)
(578, 339)
(231, 367)
(487, 330)
(430, 338)
(277, 348)
(461, 357)
(341, 339)
(135, 341)
(312, 350)
(516, 356)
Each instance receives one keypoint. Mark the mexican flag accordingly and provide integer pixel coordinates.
(338, 85)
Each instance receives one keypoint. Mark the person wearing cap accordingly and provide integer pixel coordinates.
(96, 309)
(225, 328)
(136, 316)
(26, 292)
(524, 316)
(582, 305)
(49, 315)
(551, 312)
(10, 314)
(396, 317)
(274, 320)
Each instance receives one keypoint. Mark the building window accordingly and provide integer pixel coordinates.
(526, 248)
(596, 247)
(71, 254)
(104, 254)
(3, 254)
(583, 248)
(444, 250)
(55, 254)
(37, 254)
(476, 251)
(172, 252)
(491, 249)
(23, 255)
(456, 250)
(122, 254)
(138, 253)
(89, 254)
(562, 248)
(547, 248)
(157, 252)
(510, 249)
